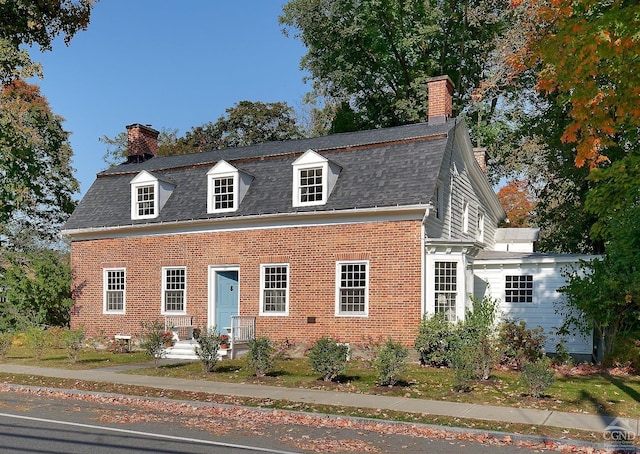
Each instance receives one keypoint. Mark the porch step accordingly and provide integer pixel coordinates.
(186, 349)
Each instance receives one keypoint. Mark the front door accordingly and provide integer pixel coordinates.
(226, 299)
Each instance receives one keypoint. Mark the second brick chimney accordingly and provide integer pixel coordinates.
(440, 99)
(142, 142)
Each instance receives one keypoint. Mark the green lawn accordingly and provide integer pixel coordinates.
(596, 393)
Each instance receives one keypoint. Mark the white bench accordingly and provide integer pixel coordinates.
(178, 322)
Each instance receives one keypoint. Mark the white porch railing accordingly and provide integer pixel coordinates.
(179, 322)
(243, 329)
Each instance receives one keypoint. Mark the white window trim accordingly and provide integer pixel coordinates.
(465, 216)
(533, 290)
(164, 286)
(211, 205)
(262, 289)
(105, 281)
(297, 202)
(481, 224)
(134, 199)
(461, 285)
(338, 313)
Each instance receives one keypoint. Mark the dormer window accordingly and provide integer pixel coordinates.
(226, 187)
(148, 195)
(314, 177)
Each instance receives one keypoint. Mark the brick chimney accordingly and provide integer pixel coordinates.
(142, 142)
(481, 155)
(440, 99)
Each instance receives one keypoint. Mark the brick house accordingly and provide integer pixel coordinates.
(352, 235)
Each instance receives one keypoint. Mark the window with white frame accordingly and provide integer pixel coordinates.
(174, 287)
(114, 284)
(352, 288)
(223, 193)
(446, 289)
(310, 185)
(518, 289)
(465, 216)
(145, 204)
(480, 226)
(274, 289)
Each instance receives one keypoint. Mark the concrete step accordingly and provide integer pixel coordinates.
(186, 349)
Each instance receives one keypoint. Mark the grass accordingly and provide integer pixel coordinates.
(595, 393)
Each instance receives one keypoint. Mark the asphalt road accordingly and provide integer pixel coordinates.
(31, 423)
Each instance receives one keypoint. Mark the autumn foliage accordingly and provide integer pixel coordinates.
(518, 202)
(585, 52)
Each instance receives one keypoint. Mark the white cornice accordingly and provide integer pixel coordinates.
(266, 221)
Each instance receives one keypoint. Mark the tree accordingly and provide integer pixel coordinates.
(517, 201)
(246, 123)
(35, 161)
(374, 56)
(25, 23)
(36, 287)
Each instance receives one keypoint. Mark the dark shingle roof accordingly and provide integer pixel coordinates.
(380, 168)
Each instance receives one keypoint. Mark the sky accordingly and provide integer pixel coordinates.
(171, 64)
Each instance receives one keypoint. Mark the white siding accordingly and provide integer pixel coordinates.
(489, 279)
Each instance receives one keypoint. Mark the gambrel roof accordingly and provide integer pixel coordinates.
(379, 168)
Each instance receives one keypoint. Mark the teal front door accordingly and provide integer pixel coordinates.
(226, 301)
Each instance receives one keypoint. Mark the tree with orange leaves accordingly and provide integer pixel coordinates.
(518, 202)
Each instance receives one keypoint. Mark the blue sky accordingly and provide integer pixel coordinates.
(168, 63)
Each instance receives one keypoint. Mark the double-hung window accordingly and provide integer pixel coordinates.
(314, 177)
(223, 194)
(148, 195)
(518, 289)
(311, 185)
(274, 293)
(352, 288)
(145, 205)
(227, 186)
(446, 289)
(174, 288)
(114, 285)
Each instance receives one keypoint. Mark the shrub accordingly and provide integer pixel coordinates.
(537, 376)
(435, 340)
(207, 349)
(260, 356)
(562, 356)
(73, 340)
(329, 358)
(520, 344)
(463, 364)
(6, 340)
(476, 338)
(153, 340)
(391, 363)
(36, 340)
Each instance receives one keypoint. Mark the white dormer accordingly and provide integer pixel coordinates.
(226, 187)
(148, 195)
(314, 177)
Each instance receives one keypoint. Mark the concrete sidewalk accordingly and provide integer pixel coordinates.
(579, 421)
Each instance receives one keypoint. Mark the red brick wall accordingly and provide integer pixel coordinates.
(392, 248)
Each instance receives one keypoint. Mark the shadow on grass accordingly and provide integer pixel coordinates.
(635, 395)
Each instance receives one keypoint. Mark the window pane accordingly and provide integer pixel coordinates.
(519, 289)
(223, 193)
(115, 286)
(446, 289)
(146, 201)
(275, 289)
(311, 185)
(353, 287)
(175, 284)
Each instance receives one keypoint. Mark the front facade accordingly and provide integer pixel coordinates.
(353, 235)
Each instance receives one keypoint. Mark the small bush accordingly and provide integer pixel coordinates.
(391, 363)
(435, 340)
(537, 376)
(520, 344)
(463, 364)
(153, 340)
(329, 358)
(260, 356)
(36, 340)
(207, 349)
(562, 356)
(73, 340)
(6, 340)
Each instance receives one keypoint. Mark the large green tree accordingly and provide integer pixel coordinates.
(35, 161)
(369, 59)
(28, 23)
